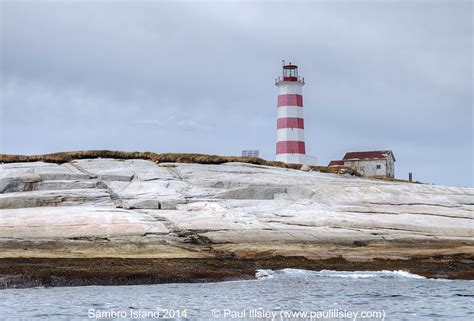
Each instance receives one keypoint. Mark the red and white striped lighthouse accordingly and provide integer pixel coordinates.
(290, 146)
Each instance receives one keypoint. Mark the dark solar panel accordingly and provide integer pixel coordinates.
(250, 153)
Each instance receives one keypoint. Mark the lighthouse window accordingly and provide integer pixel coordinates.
(379, 167)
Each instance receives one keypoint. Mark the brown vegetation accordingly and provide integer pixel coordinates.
(391, 179)
(33, 272)
(64, 157)
(335, 170)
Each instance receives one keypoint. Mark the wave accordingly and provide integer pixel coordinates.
(268, 274)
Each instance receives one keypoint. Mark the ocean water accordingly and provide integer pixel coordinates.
(274, 295)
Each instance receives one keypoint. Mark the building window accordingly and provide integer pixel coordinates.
(379, 167)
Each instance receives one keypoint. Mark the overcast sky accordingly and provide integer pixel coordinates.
(199, 77)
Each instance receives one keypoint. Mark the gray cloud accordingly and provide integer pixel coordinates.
(198, 77)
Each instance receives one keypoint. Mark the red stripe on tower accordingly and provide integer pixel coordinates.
(290, 122)
(290, 100)
(290, 146)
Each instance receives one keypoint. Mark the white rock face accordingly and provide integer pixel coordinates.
(107, 207)
(44, 223)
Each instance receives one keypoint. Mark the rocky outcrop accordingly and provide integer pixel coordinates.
(137, 209)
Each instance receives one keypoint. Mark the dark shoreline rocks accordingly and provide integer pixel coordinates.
(43, 272)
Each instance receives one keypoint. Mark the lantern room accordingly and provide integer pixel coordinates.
(290, 73)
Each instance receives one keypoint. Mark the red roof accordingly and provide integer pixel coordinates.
(290, 66)
(374, 154)
(336, 163)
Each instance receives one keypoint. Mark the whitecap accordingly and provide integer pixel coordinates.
(265, 274)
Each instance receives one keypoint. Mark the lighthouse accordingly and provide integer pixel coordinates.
(290, 146)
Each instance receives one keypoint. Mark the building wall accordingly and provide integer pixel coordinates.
(391, 166)
(368, 167)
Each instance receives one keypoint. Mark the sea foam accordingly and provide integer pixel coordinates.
(266, 274)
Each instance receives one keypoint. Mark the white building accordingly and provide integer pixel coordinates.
(369, 163)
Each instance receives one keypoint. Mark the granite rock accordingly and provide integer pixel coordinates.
(136, 208)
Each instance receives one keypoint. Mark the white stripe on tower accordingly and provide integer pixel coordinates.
(290, 112)
(295, 134)
(291, 88)
(290, 147)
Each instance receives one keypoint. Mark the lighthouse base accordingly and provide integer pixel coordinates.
(291, 158)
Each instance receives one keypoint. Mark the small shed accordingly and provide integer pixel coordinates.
(372, 163)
